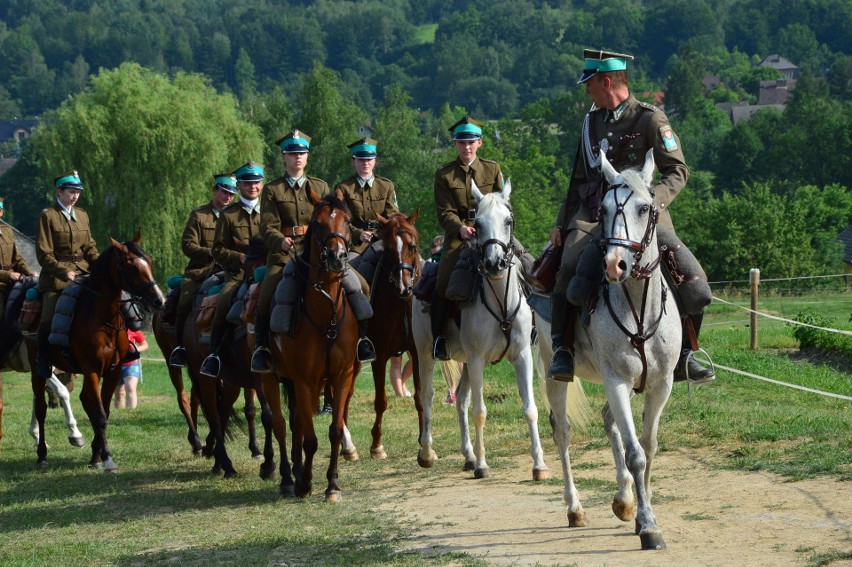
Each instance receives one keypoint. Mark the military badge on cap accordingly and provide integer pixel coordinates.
(70, 180)
(365, 148)
(598, 61)
(225, 182)
(295, 142)
(466, 129)
(249, 171)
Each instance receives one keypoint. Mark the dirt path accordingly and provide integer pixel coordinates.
(708, 517)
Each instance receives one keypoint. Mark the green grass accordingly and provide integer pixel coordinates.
(164, 507)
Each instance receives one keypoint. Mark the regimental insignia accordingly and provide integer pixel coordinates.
(296, 134)
(669, 139)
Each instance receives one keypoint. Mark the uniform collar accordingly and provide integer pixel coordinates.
(293, 182)
(67, 212)
(250, 206)
(615, 115)
(367, 182)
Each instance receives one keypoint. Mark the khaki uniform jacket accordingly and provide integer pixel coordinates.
(234, 224)
(364, 204)
(283, 207)
(62, 246)
(10, 259)
(197, 241)
(648, 133)
(454, 198)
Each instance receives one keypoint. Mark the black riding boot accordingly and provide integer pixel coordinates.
(439, 313)
(261, 359)
(687, 367)
(562, 363)
(211, 365)
(43, 366)
(366, 350)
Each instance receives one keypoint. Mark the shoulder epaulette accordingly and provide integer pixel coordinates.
(232, 205)
(445, 166)
(384, 179)
(483, 160)
(310, 177)
(648, 106)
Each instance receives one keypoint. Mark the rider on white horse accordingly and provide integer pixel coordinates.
(623, 129)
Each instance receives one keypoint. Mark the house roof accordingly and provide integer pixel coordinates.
(777, 62)
(776, 91)
(846, 238)
(740, 111)
(26, 245)
(9, 127)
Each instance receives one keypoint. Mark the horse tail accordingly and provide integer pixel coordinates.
(230, 417)
(11, 336)
(451, 369)
(579, 410)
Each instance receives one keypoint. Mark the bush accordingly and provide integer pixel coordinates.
(809, 337)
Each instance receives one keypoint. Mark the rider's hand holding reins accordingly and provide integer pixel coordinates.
(467, 232)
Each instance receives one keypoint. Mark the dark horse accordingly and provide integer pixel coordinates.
(218, 395)
(322, 348)
(99, 339)
(390, 328)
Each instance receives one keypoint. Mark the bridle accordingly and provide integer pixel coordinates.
(395, 273)
(508, 258)
(324, 252)
(637, 272)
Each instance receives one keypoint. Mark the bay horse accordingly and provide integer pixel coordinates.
(218, 395)
(496, 325)
(322, 349)
(99, 339)
(391, 293)
(637, 330)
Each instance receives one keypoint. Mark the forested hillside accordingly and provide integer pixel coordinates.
(407, 70)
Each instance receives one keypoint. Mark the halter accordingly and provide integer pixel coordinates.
(508, 259)
(395, 273)
(636, 271)
(324, 252)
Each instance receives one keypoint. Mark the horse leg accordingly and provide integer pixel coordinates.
(209, 403)
(336, 431)
(380, 404)
(92, 399)
(475, 369)
(557, 397)
(1, 406)
(426, 457)
(189, 413)
(272, 393)
(524, 372)
(228, 397)
(267, 467)
(305, 437)
(655, 401)
(250, 411)
(54, 385)
(39, 414)
(463, 395)
(623, 503)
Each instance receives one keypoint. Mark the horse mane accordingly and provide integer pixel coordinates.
(491, 200)
(633, 178)
(399, 223)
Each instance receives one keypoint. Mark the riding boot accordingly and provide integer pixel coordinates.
(687, 367)
(261, 359)
(177, 358)
(562, 363)
(439, 313)
(43, 366)
(212, 364)
(366, 350)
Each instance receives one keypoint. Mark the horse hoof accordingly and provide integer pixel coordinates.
(110, 466)
(351, 456)
(287, 491)
(577, 519)
(652, 539)
(333, 496)
(42, 465)
(623, 511)
(427, 461)
(257, 456)
(484, 472)
(469, 466)
(216, 470)
(378, 453)
(268, 473)
(97, 466)
(541, 474)
(76, 441)
(197, 453)
(232, 474)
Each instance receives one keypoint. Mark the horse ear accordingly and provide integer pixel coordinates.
(507, 189)
(382, 220)
(475, 190)
(138, 238)
(313, 197)
(609, 172)
(648, 168)
(413, 218)
(338, 192)
(114, 242)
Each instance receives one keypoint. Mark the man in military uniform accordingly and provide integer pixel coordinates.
(238, 221)
(625, 129)
(197, 245)
(456, 208)
(13, 267)
(65, 249)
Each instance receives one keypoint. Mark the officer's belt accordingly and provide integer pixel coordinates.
(71, 258)
(467, 214)
(294, 231)
(366, 225)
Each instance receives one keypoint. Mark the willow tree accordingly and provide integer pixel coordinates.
(146, 147)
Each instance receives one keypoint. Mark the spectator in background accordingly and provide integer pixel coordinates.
(131, 373)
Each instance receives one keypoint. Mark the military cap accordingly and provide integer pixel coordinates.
(365, 148)
(249, 171)
(70, 180)
(226, 182)
(466, 129)
(295, 142)
(597, 61)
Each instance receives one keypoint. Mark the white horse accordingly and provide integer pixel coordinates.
(637, 330)
(497, 324)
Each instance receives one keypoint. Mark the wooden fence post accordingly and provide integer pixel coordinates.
(754, 281)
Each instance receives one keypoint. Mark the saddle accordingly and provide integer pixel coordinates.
(424, 289)
(60, 328)
(169, 312)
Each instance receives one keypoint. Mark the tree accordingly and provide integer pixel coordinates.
(146, 148)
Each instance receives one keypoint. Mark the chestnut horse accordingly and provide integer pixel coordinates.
(390, 328)
(99, 339)
(322, 348)
(218, 395)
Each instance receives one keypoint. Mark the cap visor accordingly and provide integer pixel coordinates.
(587, 74)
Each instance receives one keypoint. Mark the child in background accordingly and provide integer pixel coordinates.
(131, 373)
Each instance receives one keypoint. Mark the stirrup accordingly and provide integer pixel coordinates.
(700, 379)
(260, 360)
(562, 374)
(211, 366)
(444, 352)
(365, 351)
(177, 359)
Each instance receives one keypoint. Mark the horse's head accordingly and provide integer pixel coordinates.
(330, 234)
(135, 272)
(629, 220)
(402, 256)
(494, 227)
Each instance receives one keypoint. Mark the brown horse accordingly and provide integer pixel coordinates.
(99, 339)
(218, 395)
(390, 327)
(322, 348)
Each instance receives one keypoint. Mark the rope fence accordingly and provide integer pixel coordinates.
(790, 321)
(797, 278)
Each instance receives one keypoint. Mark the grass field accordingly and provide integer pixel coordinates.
(164, 507)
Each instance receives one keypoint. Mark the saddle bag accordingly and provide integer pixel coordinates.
(542, 275)
(204, 320)
(250, 304)
(425, 286)
(30, 313)
(462, 284)
(169, 311)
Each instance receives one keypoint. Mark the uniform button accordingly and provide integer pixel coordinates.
(662, 205)
(301, 198)
(609, 134)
